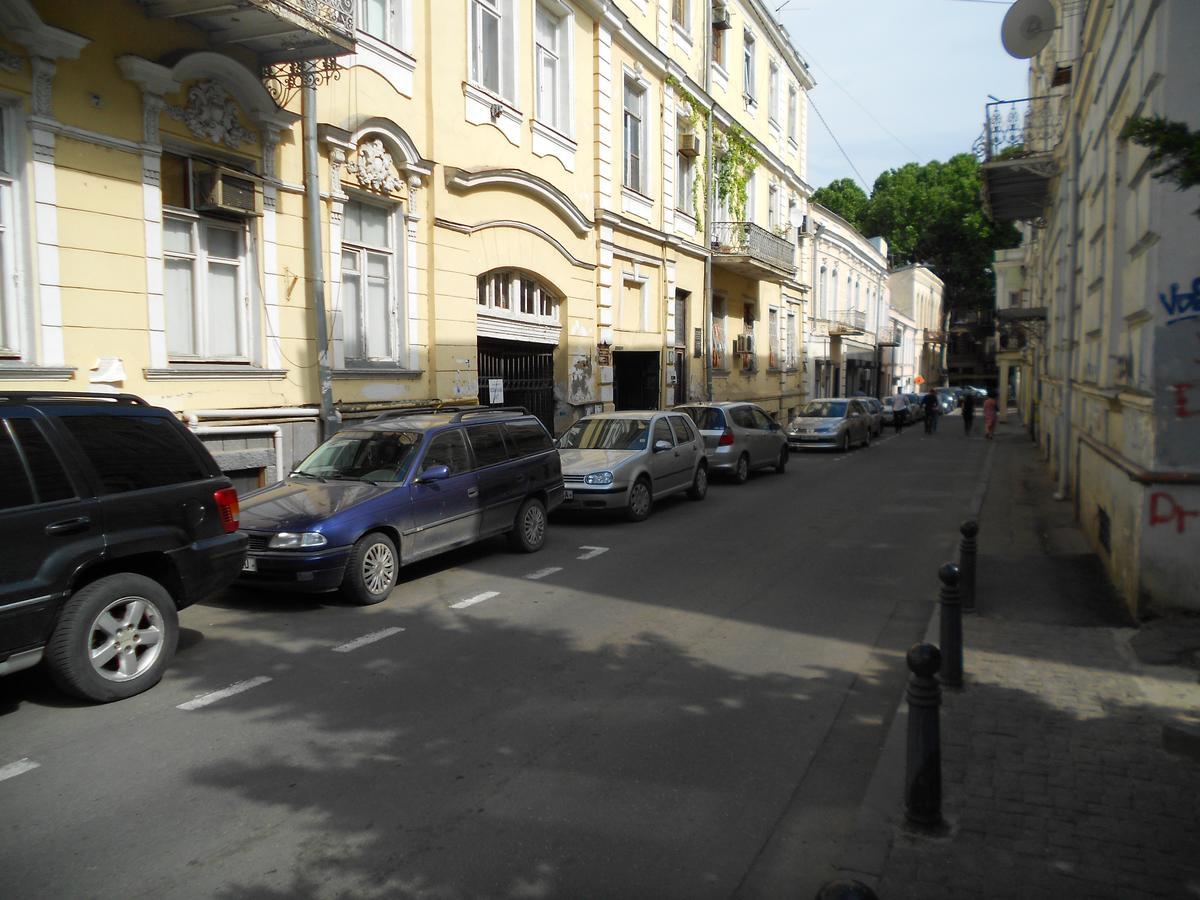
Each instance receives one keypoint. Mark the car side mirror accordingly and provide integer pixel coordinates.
(775, 426)
(433, 473)
(660, 446)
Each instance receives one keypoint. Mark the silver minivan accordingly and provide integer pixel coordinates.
(739, 437)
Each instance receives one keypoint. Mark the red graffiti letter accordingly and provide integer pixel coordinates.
(1174, 512)
(1182, 410)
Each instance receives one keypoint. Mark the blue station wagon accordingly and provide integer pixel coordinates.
(400, 488)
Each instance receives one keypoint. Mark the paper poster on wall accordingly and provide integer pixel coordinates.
(495, 390)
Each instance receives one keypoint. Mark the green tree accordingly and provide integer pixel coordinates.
(845, 198)
(1170, 142)
(933, 214)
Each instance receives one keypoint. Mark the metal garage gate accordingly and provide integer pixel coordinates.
(527, 371)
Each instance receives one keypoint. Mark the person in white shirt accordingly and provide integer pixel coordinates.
(899, 409)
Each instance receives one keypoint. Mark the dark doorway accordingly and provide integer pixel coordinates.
(527, 374)
(635, 379)
(680, 355)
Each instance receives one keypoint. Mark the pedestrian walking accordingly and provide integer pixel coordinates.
(899, 410)
(989, 415)
(932, 408)
(968, 412)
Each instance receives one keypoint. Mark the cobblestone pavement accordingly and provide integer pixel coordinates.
(1055, 780)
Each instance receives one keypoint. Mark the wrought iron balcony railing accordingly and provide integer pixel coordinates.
(1015, 129)
(336, 15)
(748, 239)
(848, 321)
(934, 337)
(276, 31)
(888, 336)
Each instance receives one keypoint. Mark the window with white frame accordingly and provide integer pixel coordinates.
(773, 338)
(681, 13)
(793, 341)
(206, 279)
(383, 19)
(552, 88)
(773, 92)
(516, 295)
(718, 48)
(823, 299)
(10, 231)
(719, 350)
(493, 47)
(749, 211)
(793, 102)
(748, 88)
(773, 221)
(371, 284)
(685, 176)
(634, 122)
(750, 359)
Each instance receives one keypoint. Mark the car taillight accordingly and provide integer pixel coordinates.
(227, 508)
(726, 438)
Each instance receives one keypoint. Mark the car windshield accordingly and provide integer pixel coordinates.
(707, 418)
(824, 409)
(363, 456)
(606, 434)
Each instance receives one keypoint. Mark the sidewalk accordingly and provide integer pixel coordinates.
(1055, 780)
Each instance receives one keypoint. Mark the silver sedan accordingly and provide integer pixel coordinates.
(629, 460)
(839, 422)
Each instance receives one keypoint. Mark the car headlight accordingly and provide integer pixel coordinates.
(599, 478)
(291, 540)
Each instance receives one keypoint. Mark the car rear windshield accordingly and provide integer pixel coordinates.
(707, 418)
(606, 434)
(136, 452)
(824, 409)
(363, 456)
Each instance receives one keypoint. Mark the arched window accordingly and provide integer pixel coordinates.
(528, 308)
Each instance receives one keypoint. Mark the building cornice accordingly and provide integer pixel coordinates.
(467, 180)
(463, 228)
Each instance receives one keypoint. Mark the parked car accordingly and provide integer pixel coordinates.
(916, 412)
(113, 517)
(888, 414)
(402, 487)
(840, 422)
(738, 438)
(630, 460)
(874, 412)
(946, 400)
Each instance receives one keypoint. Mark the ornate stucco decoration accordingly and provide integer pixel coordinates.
(374, 168)
(212, 114)
(10, 62)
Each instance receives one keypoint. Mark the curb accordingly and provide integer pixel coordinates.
(866, 852)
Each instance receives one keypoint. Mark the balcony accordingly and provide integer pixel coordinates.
(889, 336)
(752, 252)
(275, 30)
(1017, 152)
(848, 322)
(934, 337)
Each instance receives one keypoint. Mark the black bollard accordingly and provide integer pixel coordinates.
(967, 548)
(846, 889)
(923, 770)
(950, 619)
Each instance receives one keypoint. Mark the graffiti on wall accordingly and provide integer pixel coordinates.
(1179, 305)
(1165, 510)
(1184, 402)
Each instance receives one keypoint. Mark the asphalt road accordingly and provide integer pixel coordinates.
(687, 707)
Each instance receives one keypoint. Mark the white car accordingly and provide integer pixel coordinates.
(840, 422)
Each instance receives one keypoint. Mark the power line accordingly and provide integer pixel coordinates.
(862, 180)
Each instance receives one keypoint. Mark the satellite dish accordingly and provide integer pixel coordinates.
(1028, 27)
(795, 217)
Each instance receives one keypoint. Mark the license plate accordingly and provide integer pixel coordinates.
(249, 564)
(568, 495)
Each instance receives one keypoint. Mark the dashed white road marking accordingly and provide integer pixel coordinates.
(592, 552)
(478, 598)
(239, 687)
(366, 639)
(20, 767)
(542, 573)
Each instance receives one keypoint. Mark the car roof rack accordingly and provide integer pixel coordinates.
(414, 411)
(69, 396)
(485, 410)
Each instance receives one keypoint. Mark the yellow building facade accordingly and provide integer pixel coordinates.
(497, 201)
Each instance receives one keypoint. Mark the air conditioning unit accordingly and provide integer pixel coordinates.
(228, 191)
(720, 17)
(743, 344)
(689, 143)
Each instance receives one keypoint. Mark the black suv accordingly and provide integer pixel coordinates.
(402, 487)
(113, 516)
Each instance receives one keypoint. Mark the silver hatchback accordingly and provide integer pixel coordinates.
(738, 438)
(629, 460)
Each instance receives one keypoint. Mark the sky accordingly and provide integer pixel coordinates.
(921, 69)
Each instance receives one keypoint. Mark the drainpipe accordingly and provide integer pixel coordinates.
(274, 431)
(816, 239)
(709, 205)
(314, 246)
(1064, 439)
